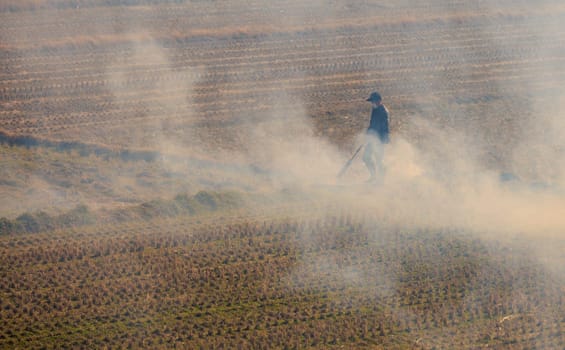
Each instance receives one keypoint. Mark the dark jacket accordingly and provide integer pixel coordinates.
(379, 123)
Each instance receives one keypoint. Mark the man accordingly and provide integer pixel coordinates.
(377, 137)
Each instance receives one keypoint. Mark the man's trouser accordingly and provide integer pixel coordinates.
(373, 157)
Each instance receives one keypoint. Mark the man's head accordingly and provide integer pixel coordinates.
(375, 98)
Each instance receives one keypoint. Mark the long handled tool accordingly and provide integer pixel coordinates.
(346, 165)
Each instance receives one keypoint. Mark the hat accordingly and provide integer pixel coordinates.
(375, 97)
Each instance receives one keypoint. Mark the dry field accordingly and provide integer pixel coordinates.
(159, 163)
(318, 282)
(126, 75)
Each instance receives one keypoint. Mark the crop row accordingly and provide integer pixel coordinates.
(263, 72)
(55, 93)
(307, 58)
(203, 17)
(334, 280)
(289, 45)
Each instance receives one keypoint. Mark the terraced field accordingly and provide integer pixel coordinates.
(167, 175)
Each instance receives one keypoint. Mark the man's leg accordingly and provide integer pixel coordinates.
(369, 159)
(379, 152)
